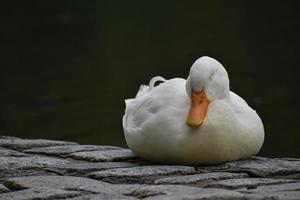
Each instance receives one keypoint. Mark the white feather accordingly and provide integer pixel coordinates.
(155, 129)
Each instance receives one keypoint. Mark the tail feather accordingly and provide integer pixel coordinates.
(154, 80)
(144, 89)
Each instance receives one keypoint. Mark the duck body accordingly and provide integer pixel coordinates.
(155, 126)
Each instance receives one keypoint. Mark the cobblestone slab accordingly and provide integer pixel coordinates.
(277, 188)
(38, 193)
(62, 182)
(199, 178)
(247, 182)
(30, 162)
(28, 166)
(261, 167)
(46, 169)
(22, 144)
(285, 195)
(11, 153)
(140, 174)
(24, 172)
(184, 192)
(275, 191)
(67, 149)
(103, 197)
(82, 168)
(104, 156)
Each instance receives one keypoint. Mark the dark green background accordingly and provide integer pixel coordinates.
(67, 66)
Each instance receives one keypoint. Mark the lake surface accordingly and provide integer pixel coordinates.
(66, 66)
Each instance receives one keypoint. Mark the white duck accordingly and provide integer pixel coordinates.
(193, 121)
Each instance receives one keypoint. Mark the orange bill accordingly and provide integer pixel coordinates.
(199, 105)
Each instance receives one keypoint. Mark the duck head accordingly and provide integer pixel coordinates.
(207, 82)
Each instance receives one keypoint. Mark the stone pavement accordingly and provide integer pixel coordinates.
(47, 169)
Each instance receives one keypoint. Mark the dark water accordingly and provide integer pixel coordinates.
(67, 66)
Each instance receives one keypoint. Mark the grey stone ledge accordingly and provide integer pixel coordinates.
(140, 174)
(259, 167)
(28, 166)
(184, 192)
(81, 168)
(103, 197)
(30, 162)
(11, 153)
(67, 170)
(200, 178)
(71, 183)
(276, 188)
(62, 182)
(104, 155)
(249, 183)
(38, 193)
(23, 144)
(68, 149)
